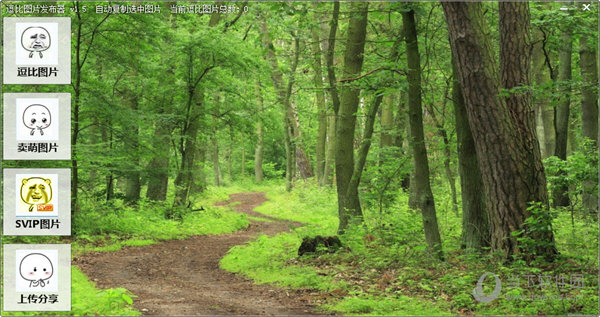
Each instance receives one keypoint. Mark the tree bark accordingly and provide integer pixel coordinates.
(515, 68)
(588, 61)
(588, 56)
(400, 123)
(425, 198)
(333, 92)
(475, 220)
(349, 206)
(509, 182)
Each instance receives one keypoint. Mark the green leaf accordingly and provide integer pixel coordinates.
(127, 299)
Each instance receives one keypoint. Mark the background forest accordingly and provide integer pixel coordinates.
(439, 141)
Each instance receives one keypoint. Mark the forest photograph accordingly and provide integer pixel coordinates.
(325, 158)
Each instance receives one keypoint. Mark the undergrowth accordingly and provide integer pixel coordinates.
(385, 268)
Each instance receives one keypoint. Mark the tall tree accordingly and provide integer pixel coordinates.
(190, 145)
(133, 182)
(333, 93)
(588, 62)
(509, 181)
(560, 194)
(348, 203)
(424, 194)
(542, 77)
(295, 153)
(81, 55)
(158, 173)
(475, 220)
(320, 100)
(515, 69)
(387, 121)
(260, 139)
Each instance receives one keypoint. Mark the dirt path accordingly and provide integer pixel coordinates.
(182, 277)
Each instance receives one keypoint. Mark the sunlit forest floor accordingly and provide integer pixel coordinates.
(383, 268)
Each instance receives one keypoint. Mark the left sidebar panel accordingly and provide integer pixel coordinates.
(36, 155)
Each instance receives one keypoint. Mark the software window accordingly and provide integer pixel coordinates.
(387, 158)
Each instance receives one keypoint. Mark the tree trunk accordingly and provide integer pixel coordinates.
(543, 104)
(230, 163)
(475, 220)
(560, 195)
(425, 199)
(107, 138)
(215, 158)
(291, 128)
(588, 57)
(509, 181)
(158, 168)
(363, 150)
(441, 131)
(335, 101)
(184, 182)
(243, 163)
(321, 106)
(400, 124)
(349, 206)
(185, 175)
(133, 182)
(330, 145)
(260, 140)
(302, 161)
(387, 122)
(589, 73)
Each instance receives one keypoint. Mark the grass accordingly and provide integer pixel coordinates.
(385, 269)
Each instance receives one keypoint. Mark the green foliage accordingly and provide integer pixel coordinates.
(539, 224)
(147, 221)
(581, 167)
(384, 268)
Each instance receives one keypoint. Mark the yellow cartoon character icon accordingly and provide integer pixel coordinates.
(36, 191)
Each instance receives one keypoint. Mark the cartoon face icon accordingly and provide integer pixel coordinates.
(37, 117)
(36, 191)
(35, 39)
(37, 269)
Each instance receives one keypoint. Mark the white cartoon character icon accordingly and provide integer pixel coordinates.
(37, 269)
(37, 117)
(35, 39)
